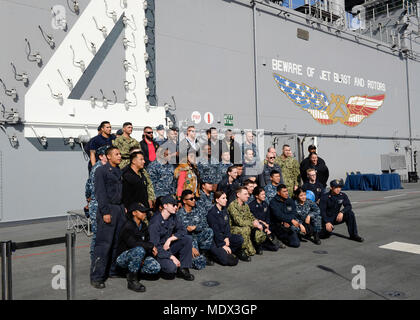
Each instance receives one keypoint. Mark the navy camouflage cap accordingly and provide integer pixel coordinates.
(119, 132)
(160, 127)
(337, 183)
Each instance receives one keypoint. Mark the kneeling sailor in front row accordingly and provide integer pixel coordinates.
(135, 251)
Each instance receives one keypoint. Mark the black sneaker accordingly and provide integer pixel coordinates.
(357, 238)
(258, 250)
(97, 284)
(185, 274)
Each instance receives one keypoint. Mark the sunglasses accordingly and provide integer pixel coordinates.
(271, 157)
(150, 132)
(190, 199)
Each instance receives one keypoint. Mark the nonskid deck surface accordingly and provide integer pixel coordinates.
(309, 272)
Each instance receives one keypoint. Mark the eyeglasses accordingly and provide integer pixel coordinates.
(190, 199)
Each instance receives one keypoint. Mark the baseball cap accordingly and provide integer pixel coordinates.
(337, 183)
(160, 127)
(169, 199)
(137, 207)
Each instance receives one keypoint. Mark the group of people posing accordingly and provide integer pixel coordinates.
(162, 206)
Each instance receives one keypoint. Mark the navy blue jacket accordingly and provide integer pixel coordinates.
(108, 188)
(331, 205)
(282, 211)
(317, 188)
(161, 230)
(219, 222)
(131, 236)
(261, 211)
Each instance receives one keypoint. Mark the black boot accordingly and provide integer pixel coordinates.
(133, 283)
(357, 238)
(316, 238)
(243, 257)
(258, 249)
(209, 260)
(185, 274)
(97, 284)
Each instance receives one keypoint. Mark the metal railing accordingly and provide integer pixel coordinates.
(8, 247)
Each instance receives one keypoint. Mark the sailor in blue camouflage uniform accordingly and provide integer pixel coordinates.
(90, 195)
(208, 167)
(271, 188)
(205, 202)
(135, 251)
(161, 173)
(308, 213)
(196, 224)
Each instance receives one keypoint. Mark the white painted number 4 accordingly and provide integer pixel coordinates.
(58, 282)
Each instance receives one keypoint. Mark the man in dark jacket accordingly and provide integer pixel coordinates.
(318, 166)
(170, 237)
(135, 185)
(148, 145)
(110, 218)
(283, 217)
(135, 251)
(229, 184)
(336, 209)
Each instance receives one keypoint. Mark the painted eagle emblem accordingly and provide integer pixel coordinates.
(315, 102)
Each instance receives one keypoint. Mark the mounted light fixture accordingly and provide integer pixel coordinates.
(110, 14)
(147, 73)
(48, 38)
(129, 103)
(68, 81)
(102, 29)
(76, 8)
(80, 64)
(20, 77)
(92, 47)
(127, 84)
(127, 65)
(57, 96)
(108, 102)
(126, 42)
(129, 22)
(9, 92)
(33, 57)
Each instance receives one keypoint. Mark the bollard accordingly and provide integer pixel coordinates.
(6, 270)
(70, 265)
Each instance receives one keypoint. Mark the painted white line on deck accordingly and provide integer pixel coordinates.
(402, 246)
(398, 195)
